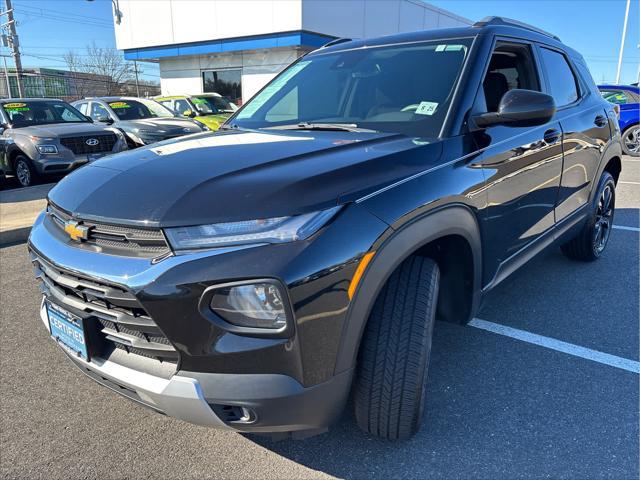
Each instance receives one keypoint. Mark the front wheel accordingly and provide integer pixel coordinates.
(25, 173)
(631, 141)
(390, 383)
(589, 244)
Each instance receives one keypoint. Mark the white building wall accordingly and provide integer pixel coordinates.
(168, 22)
(374, 18)
(181, 75)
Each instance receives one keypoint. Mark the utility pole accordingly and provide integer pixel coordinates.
(15, 45)
(624, 34)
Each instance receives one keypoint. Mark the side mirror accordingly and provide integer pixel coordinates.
(518, 108)
(189, 113)
(107, 120)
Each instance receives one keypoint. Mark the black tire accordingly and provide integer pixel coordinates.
(589, 244)
(24, 171)
(631, 141)
(390, 383)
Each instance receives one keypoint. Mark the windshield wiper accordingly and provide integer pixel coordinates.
(336, 127)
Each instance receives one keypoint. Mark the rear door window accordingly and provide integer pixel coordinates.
(562, 82)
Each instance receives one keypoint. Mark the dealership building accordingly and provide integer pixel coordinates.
(234, 47)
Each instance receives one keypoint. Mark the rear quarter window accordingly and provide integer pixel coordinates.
(562, 82)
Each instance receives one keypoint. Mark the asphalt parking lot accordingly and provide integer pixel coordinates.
(498, 407)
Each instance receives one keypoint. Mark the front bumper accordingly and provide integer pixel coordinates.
(274, 403)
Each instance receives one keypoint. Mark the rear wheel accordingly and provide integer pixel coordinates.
(631, 141)
(25, 173)
(589, 244)
(390, 384)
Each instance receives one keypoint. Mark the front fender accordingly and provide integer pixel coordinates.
(390, 252)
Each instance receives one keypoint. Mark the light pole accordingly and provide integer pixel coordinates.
(624, 34)
(116, 10)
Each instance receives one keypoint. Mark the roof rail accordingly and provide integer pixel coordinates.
(335, 41)
(493, 20)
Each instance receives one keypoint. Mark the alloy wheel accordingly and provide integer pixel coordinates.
(604, 219)
(23, 173)
(632, 140)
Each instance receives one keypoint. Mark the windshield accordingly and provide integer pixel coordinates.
(28, 113)
(208, 105)
(139, 109)
(401, 89)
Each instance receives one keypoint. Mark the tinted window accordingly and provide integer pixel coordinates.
(138, 109)
(182, 106)
(400, 88)
(562, 82)
(26, 113)
(615, 96)
(98, 111)
(227, 83)
(82, 107)
(511, 66)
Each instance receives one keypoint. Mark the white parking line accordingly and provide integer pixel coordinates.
(630, 183)
(624, 227)
(558, 345)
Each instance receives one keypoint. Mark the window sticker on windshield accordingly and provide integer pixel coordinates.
(260, 99)
(426, 108)
(199, 101)
(16, 107)
(119, 105)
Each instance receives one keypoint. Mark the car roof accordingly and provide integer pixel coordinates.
(612, 86)
(173, 97)
(8, 100)
(488, 26)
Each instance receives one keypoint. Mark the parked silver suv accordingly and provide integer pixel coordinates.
(50, 137)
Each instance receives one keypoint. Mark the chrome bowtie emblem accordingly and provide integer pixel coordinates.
(76, 231)
(92, 142)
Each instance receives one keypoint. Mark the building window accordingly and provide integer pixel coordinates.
(227, 83)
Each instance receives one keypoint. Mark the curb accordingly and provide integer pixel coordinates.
(17, 235)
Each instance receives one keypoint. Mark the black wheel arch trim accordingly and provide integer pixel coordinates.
(13, 151)
(458, 219)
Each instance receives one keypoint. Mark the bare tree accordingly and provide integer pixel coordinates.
(106, 62)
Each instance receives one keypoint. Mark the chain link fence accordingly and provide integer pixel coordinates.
(70, 86)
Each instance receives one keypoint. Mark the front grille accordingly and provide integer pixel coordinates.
(79, 146)
(117, 316)
(116, 239)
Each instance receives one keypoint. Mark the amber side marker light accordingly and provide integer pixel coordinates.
(362, 266)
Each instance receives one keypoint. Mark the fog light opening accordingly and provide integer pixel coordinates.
(252, 305)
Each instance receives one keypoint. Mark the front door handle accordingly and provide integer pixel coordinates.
(551, 136)
(601, 121)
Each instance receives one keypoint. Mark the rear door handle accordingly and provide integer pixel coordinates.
(601, 121)
(551, 136)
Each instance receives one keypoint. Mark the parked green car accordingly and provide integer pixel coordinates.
(212, 109)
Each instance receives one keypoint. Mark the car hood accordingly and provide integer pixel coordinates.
(61, 130)
(240, 175)
(161, 126)
(213, 121)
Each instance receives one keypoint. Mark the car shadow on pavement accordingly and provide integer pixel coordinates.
(500, 408)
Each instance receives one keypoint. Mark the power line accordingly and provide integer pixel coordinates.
(68, 14)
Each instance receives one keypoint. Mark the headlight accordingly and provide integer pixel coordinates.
(270, 230)
(47, 149)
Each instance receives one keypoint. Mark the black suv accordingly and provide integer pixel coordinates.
(251, 279)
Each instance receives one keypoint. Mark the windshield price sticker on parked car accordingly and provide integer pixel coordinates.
(426, 108)
(119, 105)
(16, 107)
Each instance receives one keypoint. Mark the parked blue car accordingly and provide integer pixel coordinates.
(628, 97)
